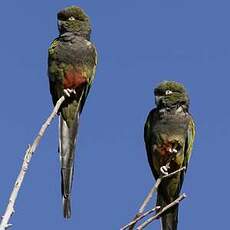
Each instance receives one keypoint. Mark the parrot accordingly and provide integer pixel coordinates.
(169, 133)
(72, 61)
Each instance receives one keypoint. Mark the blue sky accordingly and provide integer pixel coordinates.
(140, 43)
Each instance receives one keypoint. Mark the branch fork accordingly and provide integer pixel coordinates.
(140, 214)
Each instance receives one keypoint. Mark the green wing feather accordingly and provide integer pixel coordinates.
(188, 149)
(90, 73)
(189, 142)
(148, 141)
(55, 73)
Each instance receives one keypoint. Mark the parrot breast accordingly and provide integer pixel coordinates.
(165, 148)
(73, 78)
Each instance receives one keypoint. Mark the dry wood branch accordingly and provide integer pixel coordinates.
(140, 217)
(148, 198)
(151, 219)
(27, 158)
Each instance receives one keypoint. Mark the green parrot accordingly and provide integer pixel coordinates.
(169, 134)
(72, 60)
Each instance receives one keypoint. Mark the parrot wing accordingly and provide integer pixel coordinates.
(188, 149)
(148, 140)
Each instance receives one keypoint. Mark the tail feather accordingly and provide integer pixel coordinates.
(66, 208)
(169, 219)
(67, 143)
(66, 186)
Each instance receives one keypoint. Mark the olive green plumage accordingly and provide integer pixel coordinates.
(71, 48)
(169, 127)
(83, 58)
(74, 19)
(72, 60)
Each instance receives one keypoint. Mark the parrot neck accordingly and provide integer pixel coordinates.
(173, 109)
(71, 35)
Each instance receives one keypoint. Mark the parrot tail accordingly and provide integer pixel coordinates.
(66, 207)
(169, 219)
(67, 143)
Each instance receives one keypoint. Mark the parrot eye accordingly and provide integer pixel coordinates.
(71, 18)
(168, 92)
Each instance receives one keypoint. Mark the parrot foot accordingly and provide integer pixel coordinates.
(172, 150)
(164, 169)
(67, 92)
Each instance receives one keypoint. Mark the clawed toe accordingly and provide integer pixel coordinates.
(164, 170)
(67, 92)
(172, 150)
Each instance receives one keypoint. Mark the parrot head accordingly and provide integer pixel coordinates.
(169, 94)
(73, 19)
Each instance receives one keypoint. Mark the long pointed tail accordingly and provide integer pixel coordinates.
(67, 143)
(169, 219)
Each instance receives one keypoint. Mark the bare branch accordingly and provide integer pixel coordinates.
(141, 217)
(27, 158)
(151, 219)
(173, 173)
(149, 196)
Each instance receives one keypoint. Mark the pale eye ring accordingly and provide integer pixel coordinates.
(168, 92)
(71, 18)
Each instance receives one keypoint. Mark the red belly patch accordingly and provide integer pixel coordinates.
(166, 148)
(73, 78)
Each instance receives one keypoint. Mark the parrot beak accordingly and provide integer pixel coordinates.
(59, 25)
(157, 100)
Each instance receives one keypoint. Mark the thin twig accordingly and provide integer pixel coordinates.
(150, 194)
(151, 219)
(173, 173)
(27, 158)
(141, 217)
